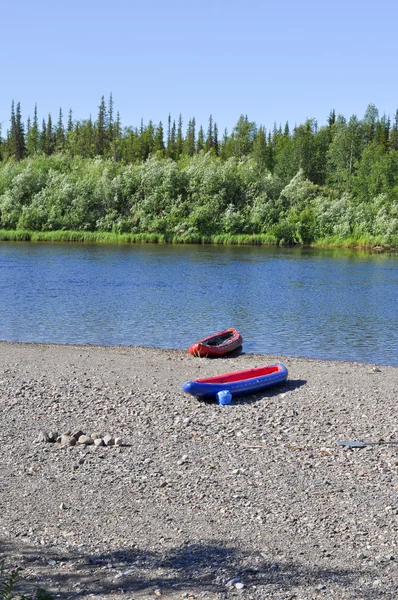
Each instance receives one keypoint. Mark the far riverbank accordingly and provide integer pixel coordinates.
(97, 237)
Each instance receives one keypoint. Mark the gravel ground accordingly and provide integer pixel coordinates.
(253, 500)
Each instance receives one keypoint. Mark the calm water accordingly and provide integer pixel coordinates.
(336, 305)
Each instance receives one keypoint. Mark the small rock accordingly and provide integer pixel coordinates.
(42, 437)
(239, 585)
(77, 434)
(232, 582)
(118, 441)
(98, 442)
(96, 436)
(108, 440)
(67, 440)
(85, 440)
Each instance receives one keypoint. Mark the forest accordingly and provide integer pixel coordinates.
(333, 185)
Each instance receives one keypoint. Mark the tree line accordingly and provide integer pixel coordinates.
(338, 181)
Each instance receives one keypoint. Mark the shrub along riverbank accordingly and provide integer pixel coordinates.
(203, 199)
(92, 237)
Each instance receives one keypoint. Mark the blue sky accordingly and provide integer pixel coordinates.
(272, 61)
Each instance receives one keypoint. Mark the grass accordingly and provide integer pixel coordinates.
(225, 239)
(8, 585)
(97, 237)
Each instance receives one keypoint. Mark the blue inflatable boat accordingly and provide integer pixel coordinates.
(237, 383)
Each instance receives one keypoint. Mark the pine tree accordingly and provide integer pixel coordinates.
(159, 139)
(286, 131)
(332, 118)
(60, 134)
(216, 146)
(85, 138)
(116, 143)
(20, 149)
(100, 129)
(70, 121)
(15, 145)
(201, 140)
(210, 135)
(180, 139)
(168, 134)
(48, 137)
(189, 144)
(369, 123)
(148, 141)
(171, 144)
(32, 136)
(260, 150)
(110, 132)
(243, 135)
(393, 140)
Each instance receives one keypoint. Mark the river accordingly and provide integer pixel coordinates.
(328, 304)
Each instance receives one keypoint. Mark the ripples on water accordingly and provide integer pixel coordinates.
(337, 305)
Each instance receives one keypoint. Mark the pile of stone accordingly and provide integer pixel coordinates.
(70, 438)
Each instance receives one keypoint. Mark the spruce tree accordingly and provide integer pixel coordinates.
(116, 143)
(159, 140)
(32, 136)
(180, 139)
(20, 148)
(60, 134)
(189, 143)
(100, 129)
(393, 140)
(260, 150)
(70, 121)
(201, 140)
(110, 127)
(210, 135)
(171, 144)
(216, 146)
(15, 146)
(48, 137)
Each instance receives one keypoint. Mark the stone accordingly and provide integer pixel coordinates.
(78, 434)
(85, 440)
(67, 440)
(232, 582)
(98, 442)
(42, 437)
(108, 440)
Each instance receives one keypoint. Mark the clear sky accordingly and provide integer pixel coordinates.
(285, 60)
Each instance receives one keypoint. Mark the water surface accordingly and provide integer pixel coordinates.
(338, 305)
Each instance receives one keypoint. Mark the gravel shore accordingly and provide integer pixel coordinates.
(252, 500)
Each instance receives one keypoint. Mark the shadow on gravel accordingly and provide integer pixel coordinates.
(288, 386)
(196, 568)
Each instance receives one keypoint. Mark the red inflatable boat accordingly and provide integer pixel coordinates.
(217, 344)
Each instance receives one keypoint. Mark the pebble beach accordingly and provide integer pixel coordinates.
(168, 496)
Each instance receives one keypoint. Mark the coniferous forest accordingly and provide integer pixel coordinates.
(330, 184)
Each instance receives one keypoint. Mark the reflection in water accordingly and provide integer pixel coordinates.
(299, 302)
